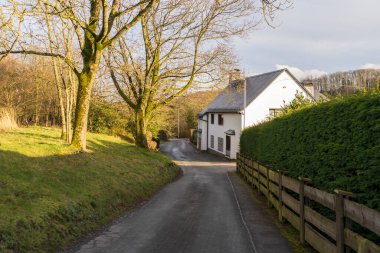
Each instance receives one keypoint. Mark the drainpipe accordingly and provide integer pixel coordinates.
(207, 132)
(245, 100)
(178, 123)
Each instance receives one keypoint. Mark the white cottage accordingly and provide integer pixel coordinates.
(244, 103)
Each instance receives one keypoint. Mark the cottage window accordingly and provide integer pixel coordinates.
(212, 118)
(274, 112)
(212, 141)
(220, 119)
(220, 144)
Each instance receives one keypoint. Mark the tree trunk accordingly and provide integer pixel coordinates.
(85, 83)
(60, 99)
(81, 112)
(140, 129)
(68, 125)
(37, 110)
(70, 94)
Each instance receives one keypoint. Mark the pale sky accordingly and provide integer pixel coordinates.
(315, 36)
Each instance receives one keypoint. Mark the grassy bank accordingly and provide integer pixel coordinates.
(49, 196)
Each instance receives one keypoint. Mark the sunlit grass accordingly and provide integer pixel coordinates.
(41, 180)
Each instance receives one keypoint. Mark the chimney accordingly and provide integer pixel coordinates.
(309, 86)
(234, 75)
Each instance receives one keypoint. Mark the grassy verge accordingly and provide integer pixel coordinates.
(286, 229)
(49, 196)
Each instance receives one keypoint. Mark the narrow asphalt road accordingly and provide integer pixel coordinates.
(199, 213)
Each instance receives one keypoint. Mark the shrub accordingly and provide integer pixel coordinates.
(336, 144)
(7, 119)
(109, 118)
(300, 102)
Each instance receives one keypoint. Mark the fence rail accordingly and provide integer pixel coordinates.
(290, 197)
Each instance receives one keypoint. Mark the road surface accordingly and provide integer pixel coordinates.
(202, 212)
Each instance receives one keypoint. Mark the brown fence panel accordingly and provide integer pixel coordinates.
(263, 180)
(327, 226)
(264, 190)
(273, 188)
(291, 217)
(291, 202)
(324, 198)
(263, 169)
(359, 244)
(317, 228)
(363, 215)
(291, 183)
(273, 176)
(274, 202)
(318, 241)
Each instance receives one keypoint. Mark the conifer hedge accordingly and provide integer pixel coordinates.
(336, 144)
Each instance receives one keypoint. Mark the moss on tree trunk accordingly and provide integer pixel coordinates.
(141, 129)
(85, 83)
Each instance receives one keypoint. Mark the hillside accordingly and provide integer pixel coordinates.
(347, 82)
(188, 106)
(49, 196)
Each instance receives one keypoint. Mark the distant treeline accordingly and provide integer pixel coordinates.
(347, 82)
(28, 95)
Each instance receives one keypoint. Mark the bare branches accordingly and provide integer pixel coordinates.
(92, 21)
(39, 53)
(126, 27)
(271, 7)
(179, 43)
(11, 19)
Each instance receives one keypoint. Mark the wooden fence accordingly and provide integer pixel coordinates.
(323, 234)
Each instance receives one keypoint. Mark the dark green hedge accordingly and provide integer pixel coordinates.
(336, 144)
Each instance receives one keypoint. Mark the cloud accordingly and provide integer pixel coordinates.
(312, 36)
(370, 66)
(302, 74)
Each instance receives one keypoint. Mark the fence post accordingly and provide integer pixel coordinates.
(243, 167)
(280, 195)
(258, 178)
(268, 188)
(339, 216)
(303, 181)
(256, 170)
(237, 162)
(252, 177)
(348, 224)
(246, 169)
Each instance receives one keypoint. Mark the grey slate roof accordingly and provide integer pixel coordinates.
(231, 99)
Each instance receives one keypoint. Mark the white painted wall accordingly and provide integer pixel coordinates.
(231, 121)
(202, 124)
(283, 88)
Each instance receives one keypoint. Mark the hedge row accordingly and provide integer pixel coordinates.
(336, 144)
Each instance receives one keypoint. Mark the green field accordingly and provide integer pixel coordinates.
(49, 196)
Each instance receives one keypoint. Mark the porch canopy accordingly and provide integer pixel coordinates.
(230, 132)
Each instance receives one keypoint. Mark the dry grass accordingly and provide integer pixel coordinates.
(7, 119)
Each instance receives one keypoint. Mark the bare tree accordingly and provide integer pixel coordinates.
(27, 89)
(62, 40)
(11, 18)
(94, 24)
(177, 44)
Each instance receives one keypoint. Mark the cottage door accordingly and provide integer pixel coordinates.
(228, 145)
